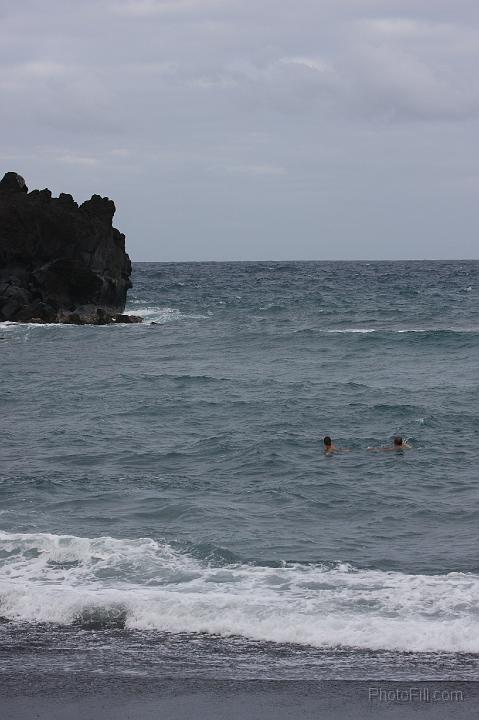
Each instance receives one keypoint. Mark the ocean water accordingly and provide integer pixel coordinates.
(166, 507)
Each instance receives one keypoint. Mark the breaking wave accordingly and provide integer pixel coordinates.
(150, 585)
(162, 315)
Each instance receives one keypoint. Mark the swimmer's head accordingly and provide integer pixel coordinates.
(398, 441)
(327, 441)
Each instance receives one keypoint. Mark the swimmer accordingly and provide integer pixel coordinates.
(398, 444)
(328, 446)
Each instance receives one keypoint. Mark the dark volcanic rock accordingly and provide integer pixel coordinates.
(59, 262)
(127, 318)
(13, 182)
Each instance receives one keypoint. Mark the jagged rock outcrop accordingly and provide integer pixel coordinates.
(60, 262)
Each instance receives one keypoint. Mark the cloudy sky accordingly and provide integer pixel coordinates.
(252, 129)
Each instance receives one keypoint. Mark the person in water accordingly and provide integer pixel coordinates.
(398, 444)
(328, 445)
(330, 448)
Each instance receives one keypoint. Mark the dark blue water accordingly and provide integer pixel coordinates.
(165, 484)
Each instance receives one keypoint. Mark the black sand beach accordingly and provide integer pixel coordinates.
(87, 697)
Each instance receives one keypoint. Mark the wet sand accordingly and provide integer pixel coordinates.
(95, 697)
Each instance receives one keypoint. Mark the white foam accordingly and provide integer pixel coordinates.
(352, 330)
(401, 331)
(162, 315)
(51, 578)
(9, 325)
(159, 315)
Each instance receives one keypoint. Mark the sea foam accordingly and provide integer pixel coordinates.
(152, 586)
(162, 315)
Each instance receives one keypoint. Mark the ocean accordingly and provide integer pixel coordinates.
(166, 507)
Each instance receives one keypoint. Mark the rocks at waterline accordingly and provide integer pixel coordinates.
(60, 262)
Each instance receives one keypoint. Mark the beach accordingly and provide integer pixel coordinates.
(69, 698)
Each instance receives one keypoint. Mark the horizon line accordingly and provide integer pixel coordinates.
(291, 260)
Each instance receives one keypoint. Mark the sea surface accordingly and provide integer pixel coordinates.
(166, 508)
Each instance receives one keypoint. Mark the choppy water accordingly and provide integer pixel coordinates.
(164, 485)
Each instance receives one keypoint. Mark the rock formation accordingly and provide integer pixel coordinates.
(60, 262)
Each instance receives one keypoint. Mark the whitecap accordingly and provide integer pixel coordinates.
(162, 315)
(352, 330)
(55, 578)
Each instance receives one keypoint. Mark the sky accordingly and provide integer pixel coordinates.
(252, 129)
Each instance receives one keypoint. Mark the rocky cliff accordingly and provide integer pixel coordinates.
(59, 262)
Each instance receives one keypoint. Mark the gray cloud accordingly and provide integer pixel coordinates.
(238, 129)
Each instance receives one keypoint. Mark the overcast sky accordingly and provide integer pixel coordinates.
(252, 129)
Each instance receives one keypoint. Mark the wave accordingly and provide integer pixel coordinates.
(158, 315)
(401, 331)
(162, 315)
(351, 330)
(150, 585)
(10, 325)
